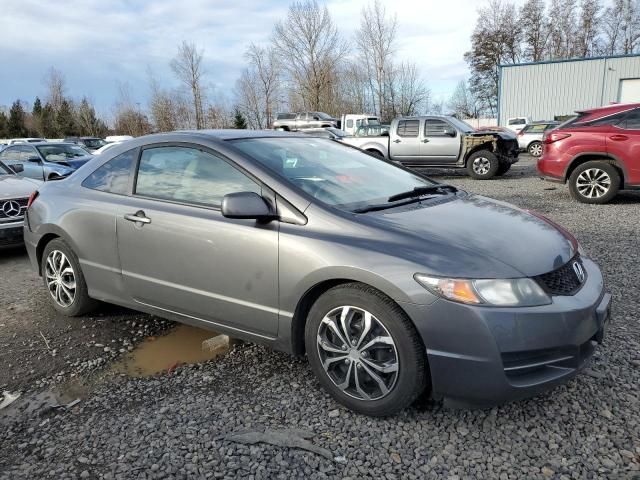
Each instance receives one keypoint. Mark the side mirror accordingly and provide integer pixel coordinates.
(18, 167)
(33, 159)
(246, 205)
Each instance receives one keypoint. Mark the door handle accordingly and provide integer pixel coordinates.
(397, 140)
(618, 138)
(138, 217)
(426, 140)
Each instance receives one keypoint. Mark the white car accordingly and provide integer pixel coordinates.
(104, 148)
(25, 140)
(117, 138)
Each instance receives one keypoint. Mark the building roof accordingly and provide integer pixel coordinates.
(566, 60)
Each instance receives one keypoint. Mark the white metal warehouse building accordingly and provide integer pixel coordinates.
(553, 89)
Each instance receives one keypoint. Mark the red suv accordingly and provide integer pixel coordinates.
(597, 152)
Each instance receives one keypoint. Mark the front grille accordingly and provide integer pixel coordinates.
(564, 280)
(8, 209)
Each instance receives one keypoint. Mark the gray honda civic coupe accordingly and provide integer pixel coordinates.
(393, 285)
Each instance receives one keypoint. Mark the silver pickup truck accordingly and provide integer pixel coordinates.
(292, 122)
(441, 141)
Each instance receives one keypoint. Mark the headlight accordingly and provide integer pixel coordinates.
(508, 292)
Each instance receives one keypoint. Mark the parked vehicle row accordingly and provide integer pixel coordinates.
(45, 160)
(531, 136)
(392, 284)
(292, 122)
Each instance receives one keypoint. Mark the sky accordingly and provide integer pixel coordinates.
(99, 44)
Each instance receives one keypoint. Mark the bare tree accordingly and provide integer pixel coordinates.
(250, 101)
(55, 83)
(129, 119)
(376, 43)
(187, 66)
(586, 40)
(620, 24)
(461, 102)
(535, 31)
(495, 40)
(163, 106)
(409, 94)
(310, 48)
(266, 66)
(562, 28)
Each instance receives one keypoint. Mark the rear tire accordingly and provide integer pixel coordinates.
(390, 348)
(594, 182)
(64, 280)
(482, 165)
(535, 149)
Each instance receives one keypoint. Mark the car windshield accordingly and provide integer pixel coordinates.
(61, 152)
(94, 142)
(337, 175)
(4, 170)
(323, 116)
(461, 125)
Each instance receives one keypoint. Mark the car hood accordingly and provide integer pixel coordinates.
(473, 237)
(13, 186)
(75, 163)
(502, 135)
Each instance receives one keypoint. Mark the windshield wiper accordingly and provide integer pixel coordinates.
(423, 190)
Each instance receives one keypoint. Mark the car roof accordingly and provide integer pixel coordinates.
(37, 144)
(233, 134)
(613, 108)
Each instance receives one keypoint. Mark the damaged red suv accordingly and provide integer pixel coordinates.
(597, 152)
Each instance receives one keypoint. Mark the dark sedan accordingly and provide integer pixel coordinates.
(391, 283)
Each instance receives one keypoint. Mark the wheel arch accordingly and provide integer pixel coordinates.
(51, 233)
(316, 289)
(596, 156)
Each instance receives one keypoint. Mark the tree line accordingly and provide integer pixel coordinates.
(538, 31)
(307, 64)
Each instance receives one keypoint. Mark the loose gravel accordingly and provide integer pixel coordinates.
(180, 425)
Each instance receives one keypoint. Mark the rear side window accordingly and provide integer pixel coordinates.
(408, 128)
(631, 121)
(113, 176)
(608, 120)
(189, 175)
(535, 128)
(350, 123)
(10, 154)
(517, 121)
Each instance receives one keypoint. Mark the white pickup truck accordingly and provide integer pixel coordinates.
(442, 141)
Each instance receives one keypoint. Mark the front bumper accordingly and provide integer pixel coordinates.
(11, 234)
(483, 356)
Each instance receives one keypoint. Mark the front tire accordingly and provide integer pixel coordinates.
(365, 351)
(64, 280)
(594, 182)
(483, 165)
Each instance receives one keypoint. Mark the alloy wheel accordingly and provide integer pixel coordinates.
(358, 353)
(593, 183)
(61, 279)
(535, 149)
(481, 165)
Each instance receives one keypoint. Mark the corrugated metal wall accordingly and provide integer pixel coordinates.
(542, 90)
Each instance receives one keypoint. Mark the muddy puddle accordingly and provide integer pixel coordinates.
(182, 345)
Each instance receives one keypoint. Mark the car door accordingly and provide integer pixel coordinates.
(405, 142)
(441, 142)
(179, 254)
(623, 142)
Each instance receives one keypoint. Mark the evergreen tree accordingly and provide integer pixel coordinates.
(65, 121)
(239, 121)
(88, 123)
(16, 126)
(48, 122)
(37, 107)
(4, 131)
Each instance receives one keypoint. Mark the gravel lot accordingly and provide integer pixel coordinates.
(180, 425)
